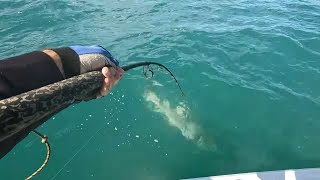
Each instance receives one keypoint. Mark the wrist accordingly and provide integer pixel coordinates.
(56, 58)
(70, 61)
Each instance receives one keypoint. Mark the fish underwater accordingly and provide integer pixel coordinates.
(179, 117)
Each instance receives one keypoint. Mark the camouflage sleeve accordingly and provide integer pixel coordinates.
(22, 113)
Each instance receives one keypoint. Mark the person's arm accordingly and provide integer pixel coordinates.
(56, 58)
(26, 72)
(37, 69)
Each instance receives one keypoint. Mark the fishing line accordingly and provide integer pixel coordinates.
(44, 139)
(83, 146)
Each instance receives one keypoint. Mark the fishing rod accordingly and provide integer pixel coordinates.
(148, 68)
(22, 113)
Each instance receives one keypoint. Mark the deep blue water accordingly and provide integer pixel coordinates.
(250, 71)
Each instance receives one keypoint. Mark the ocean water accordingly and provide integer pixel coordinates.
(250, 71)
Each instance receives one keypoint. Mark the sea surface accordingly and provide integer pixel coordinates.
(250, 71)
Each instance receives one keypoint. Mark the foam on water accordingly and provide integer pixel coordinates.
(178, 117)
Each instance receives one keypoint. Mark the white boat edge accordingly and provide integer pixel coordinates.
(290, 174)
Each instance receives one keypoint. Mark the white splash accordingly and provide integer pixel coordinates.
(156, 83)
(178, 117)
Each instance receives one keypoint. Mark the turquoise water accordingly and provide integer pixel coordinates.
(250, 71)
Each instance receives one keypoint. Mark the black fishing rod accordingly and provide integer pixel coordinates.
(147, 68)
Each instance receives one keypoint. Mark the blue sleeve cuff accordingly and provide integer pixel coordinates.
(94, 50)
